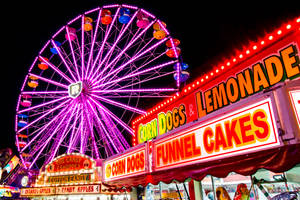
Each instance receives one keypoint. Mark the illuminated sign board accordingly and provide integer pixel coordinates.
(70, 162)
(237, 79)
(42, 191)
(242, 131)
(295, 98)
(48, 191)
(167, 119)
(73, 178)
(128, 164)
(82, 189)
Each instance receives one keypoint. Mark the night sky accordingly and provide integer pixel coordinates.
(209, 32)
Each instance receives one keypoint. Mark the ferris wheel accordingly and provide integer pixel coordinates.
(90, 79)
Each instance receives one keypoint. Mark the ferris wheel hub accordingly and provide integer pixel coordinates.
(75, 89)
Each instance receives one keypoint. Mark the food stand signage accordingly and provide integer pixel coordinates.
(47, 191)
(295, 98)
(42, 191)
(244, 130)
(82, 189)
(67, 163)
(73, 178)
(128, 164)
(276, 64)
(168, 119)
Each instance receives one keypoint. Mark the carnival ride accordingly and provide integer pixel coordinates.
(90, 78)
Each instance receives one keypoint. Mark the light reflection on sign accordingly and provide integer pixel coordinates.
(295, 98)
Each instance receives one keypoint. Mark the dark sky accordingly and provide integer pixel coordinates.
(209, 32)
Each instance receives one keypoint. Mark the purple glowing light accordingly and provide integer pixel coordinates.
(116, 65)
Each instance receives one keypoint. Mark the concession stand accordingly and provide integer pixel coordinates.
(233, 133)
(72, 177)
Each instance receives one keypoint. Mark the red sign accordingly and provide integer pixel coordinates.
(167, 119)
(42, 191)
(263, 65)
(80, 189)
(244, 130)
(128, 164)
(71, 162)
(47, 191)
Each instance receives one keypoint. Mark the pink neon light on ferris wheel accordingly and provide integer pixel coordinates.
(82, 97)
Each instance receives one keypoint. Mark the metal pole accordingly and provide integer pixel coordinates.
(213, 186)
(188, 196)
(178, 191)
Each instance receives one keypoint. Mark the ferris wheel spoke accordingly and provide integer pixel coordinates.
(42, 116)
(55, 69)
(89, 121)
(105, 38)
(118, 135)
(46, 134)
(133, 40)
(113, 116)
(115, 134)
(42, 105)
(101, 124)
(142, 81)
(82, 47)
(136, 74)
(47, 141)
(120, 105)
(116, 41)
(64, 133)
(108, 149)
(73, 134)
(64, 61)
(108, 126)
(137, 69)
(93, 43)
(146, 62)
(49, 81)
(73, 53)
(140, 90)
(42, 129)
(120, 68)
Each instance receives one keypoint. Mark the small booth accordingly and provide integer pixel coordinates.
(233, 133)
(72, 177)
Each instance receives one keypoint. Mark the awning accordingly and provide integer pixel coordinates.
(276, 160)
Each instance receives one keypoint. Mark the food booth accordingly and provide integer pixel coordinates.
(72, 177)
(232, 133)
